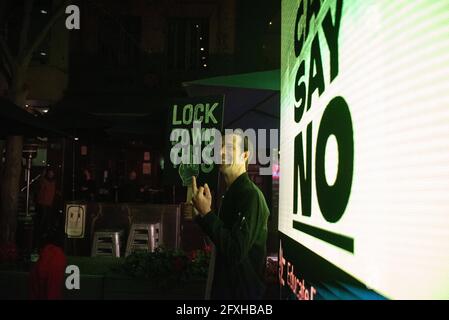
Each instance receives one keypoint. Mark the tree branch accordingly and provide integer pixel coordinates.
(6, 67)
(28, 7)
(26, 58)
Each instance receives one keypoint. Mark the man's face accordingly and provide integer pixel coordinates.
(232, 155)
(50, 174)
(132, 175)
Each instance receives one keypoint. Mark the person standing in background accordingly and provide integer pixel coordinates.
(47, 275)
(131, 190)
(105, 188)
(45, 200)
(88, 186)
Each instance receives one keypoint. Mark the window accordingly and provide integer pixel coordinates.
(188, 44)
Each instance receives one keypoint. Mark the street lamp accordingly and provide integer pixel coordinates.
(25, 230)
(29, 152)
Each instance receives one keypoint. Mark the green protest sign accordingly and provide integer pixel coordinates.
(193, 124)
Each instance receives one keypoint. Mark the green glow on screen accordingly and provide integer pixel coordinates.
(393, 74)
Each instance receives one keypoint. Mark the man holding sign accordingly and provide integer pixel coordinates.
(239, 230)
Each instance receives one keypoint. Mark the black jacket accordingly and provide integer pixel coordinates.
(239, 234)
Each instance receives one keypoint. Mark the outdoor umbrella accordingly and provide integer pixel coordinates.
(251, 99)
(78, 123)
(17, 121)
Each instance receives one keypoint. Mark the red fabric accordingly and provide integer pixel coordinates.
(46, 193)
(47, 276)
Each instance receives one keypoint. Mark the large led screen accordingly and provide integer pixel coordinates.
(364, 160)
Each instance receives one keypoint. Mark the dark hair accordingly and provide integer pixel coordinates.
(52, 236)
(49, 169)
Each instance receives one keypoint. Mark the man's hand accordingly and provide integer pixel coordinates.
(202, 199)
